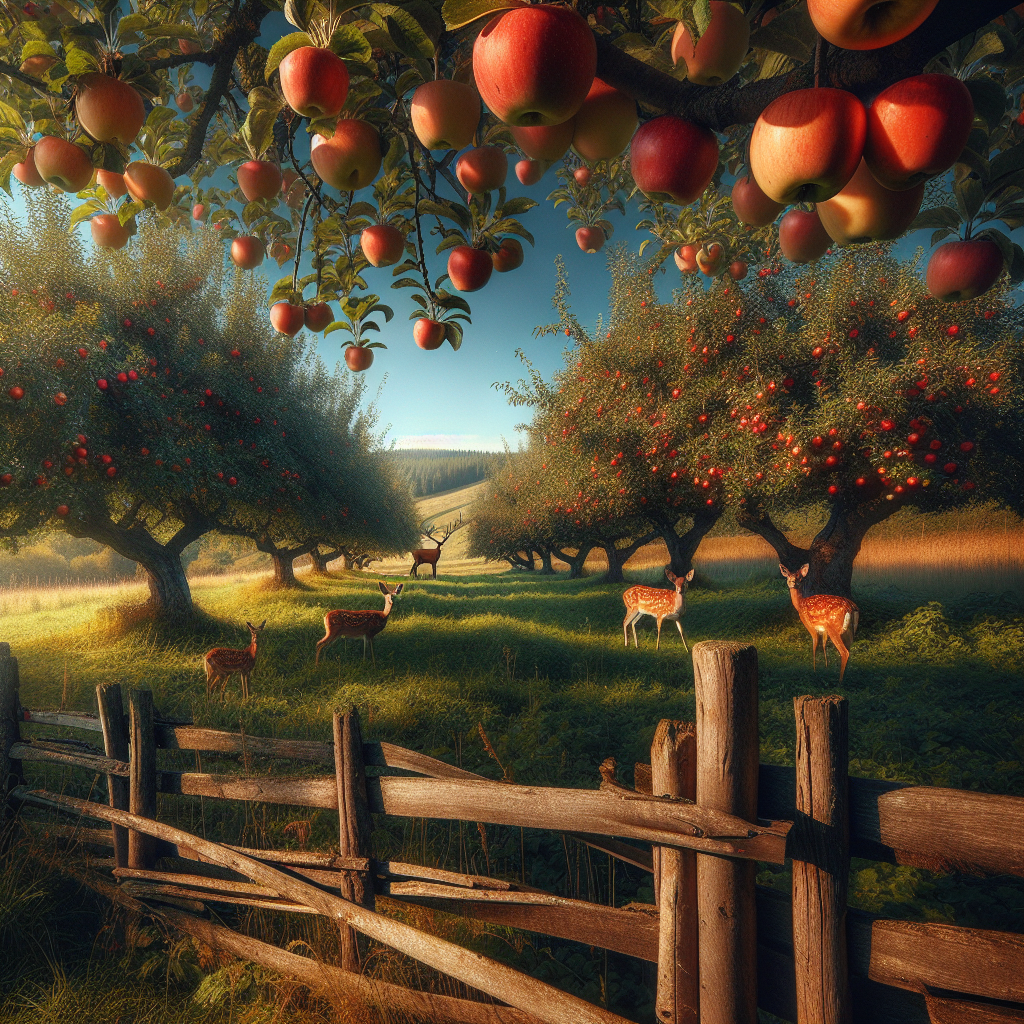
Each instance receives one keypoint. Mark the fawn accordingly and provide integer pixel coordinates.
(222, 663)
(824, 616)
(366, 624)
(662, 604)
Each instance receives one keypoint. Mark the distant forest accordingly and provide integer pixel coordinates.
(432, 470)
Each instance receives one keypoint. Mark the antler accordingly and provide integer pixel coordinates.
(448, 531)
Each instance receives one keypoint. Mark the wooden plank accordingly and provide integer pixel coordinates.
(181, 895)
(192, 737)
(643, 859)
(964, 1011)
(142, 777)
(821, 875)
(116, 745)
(725, 686)
(29, 751)
(10, 767)
(70, 719)
(321, 791)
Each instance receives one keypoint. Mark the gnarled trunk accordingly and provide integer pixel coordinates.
(546, 568)
(681, 549)
(168, 586)
(518, 561)
(618, 557)
(284, 568)
(575, 562)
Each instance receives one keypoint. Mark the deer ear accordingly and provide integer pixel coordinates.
(804, 570)
(383, 589)
(783, 570)
(263, 623)
(399, 589)
(670, 576)
(249, 624)
(689, 575)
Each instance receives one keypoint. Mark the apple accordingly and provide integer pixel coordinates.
(247, 252)
(26, 171)
(864, 210)
(709, 258)
(917, 128)
(428, 334)
(674, 159)
(548, 142)
(62, 510)
(189, 46)
(482, 169)
(509, 256)
(751, 205)
(37, 66)
(280, 251)
(198, 211)
(590, 239)
(738, 270)
(149, 182)
(867, 24)
(802, 236)
(358, 358)
(382, 244)
(318, 316)
(583, 176)
(963, 270)
(259, 179)
(605, 123)
(445, 114)
(6, 480)
(108, 109)
(314, 81)
(529, 172)
(62, 163)
(719, 51)
(16, 393)
(469, 268)
(351, 159)
(108, 232)
(185, 102)
(287, 318)
(806, 144)
(112, 182)
(535, 65)
(686, 259)
(288, 178)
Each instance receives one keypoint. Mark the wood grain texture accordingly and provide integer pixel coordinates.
(142, 775)
(964, 1011)
(29, 751)
(11, 774)
(117, 748)
(70, 719)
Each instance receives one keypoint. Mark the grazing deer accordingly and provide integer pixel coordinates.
(662, 604)
(366, 624)
(826, 617)
(223, 662)
(429, 556)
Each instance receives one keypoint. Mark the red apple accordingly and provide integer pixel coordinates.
(963, 270)
(287, 318)
(917, 128)
(358, 358)
(62, 163)
(605, 123)
(189, 46)
(673, 159)
(247, 252)
(428, 334)
(807, 144)
(112, 182)
(547, 142)
(738, 270)
(482, 169)
(709, 258)
(62, 510)
(445, 114)
(751, 205)
(259, 179)
(469, 268)
(288, 178)
(867, 24)
(509, 256)
(26, 171)
(720, 49)
(529, 172)
(185, 102)
(198, 211)
(590, 239)
(382, 244)
(686, 259)
(317, 316)
(149, 182)
(864, 210)
(16, 393)
(314, 81)
(108, 232)
(802, 236)
(108, 109)
(583, 176)
(351, 159)
(535, 65)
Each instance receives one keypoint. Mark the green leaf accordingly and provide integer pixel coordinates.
(338, 325)
(448, 301)
(407, 33)
(938, 236)
(451, 241)
(406, 80)
(457, 13)
(969, 196)
(1004, 243)
(37, 48)
(985, 45)
(282, 48)
(84, 212)
(80, 62)
(1017, 265)
(301, 12)
(453, 335)
(129, 210)
(132, 23)
(517, 206)
(937, 217)
(350, 44)
(10, 117)
(7, 163)
(407, 282)
(989, 99)
(171, 31)
(1010, 161)
(396, 153)
(379, 307)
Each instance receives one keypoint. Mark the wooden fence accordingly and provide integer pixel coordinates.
(700, 817)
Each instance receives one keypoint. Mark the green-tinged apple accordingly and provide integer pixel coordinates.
(149, 182)
(351, 159)
(62, 163)
(259, 179)
(864, 211)
(605, 123)
(509, 255)
(287, 318)
(807, 144)
(867, 24)
(26, 172)
(358, 358)
(482, 169)
(673, 159)
(529, 172)
(469, 268)
(686, 259)
(802, 236)
(318, 316)
(185, 102)
(314, 81)
(108, 232)
(112, 182)
(445, 114)
(535, 65)
(720, 49)
(428, 334)
(963, 270)
(917, 128)
(738, 270)
(751, 205)
(247, 252)
(590, 239)
(547, 142)
(382, 244)
(108, 109)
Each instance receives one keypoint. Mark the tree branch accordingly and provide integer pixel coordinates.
(19, 76)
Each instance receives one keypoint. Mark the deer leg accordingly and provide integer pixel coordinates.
(433, 567)
(625, 627)
(679, 626)
(632, 626)
(844, 654)
(824, 647)
(373, 657)
(657, 646)
(814, 650)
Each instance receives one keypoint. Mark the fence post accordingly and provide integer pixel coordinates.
(115, 745)
(725, 682)
(820, 878)
(142, 775)
(355, 825)
(674, 773)
(10, 770)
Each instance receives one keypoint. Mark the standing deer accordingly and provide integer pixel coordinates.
(222, 663)
(824, 616)
(429, 556)
(366, 624)
(662, 604)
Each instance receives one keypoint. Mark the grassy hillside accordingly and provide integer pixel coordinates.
(433, 470)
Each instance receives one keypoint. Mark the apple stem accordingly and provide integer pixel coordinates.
(419, 231)
(298, 244)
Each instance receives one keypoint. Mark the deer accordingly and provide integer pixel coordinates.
(825, 617)
(222, 663)
(661, 604)
(429, 556)
(367, 624)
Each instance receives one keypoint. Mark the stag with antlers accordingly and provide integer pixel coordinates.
(429, 556)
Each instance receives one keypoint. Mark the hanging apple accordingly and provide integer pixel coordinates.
(719, 51)
(62, 163)
(287, 318)
(318, 316)
(350, 159)
(428, 334)
(445, 114)
(482, 169)
(314, 81)
(108, 109)
(247, 252)
(674, 159)
(509, 255)
(382, 244)
(358, 358)
(259, 179)
(469, 268)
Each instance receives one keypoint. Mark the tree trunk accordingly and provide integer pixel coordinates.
(575, 562)
(168, 586)
(319, 562)
(546, 568)
(284, 568)
(618, 557)
(518, 561)
(681, 549)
